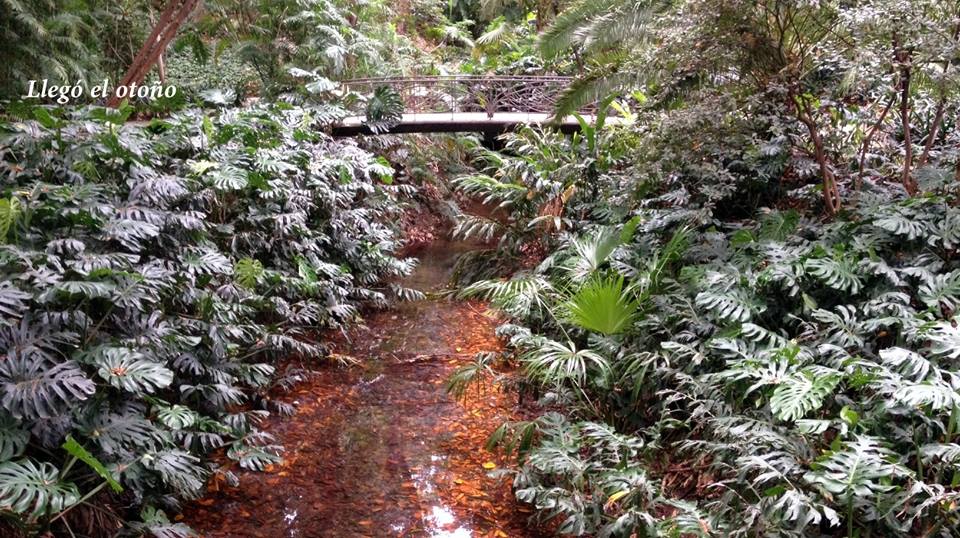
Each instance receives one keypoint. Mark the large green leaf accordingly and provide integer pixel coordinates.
(13, 438)
(13, 302)
(227, 178)
(9, 213)
(28, 487)
(130, 370)
(860, 470)
(802, 392)
(178, 469)
(254, 457)
(591, 252)
(941, 290)
(838, 274)
(76, 450)
(78, 288)
(384, 109)
(176, 417)
(32, 389)
(736, 305)
(247, 272)
(554, 363)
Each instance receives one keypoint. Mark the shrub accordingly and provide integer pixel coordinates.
(153, 278)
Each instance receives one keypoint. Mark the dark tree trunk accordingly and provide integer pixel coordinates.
(903, 59)
(866, 141)
(831, 194)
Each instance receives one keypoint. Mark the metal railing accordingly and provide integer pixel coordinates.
(471, 93)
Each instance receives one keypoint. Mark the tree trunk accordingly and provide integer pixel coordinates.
(902, 58)
(934, 132)
(866, 141)
(161, 65)
(831, 195)
(172, 18)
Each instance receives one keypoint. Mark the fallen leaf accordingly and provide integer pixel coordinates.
(616, 497)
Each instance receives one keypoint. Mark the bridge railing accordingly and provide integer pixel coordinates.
(471, 93)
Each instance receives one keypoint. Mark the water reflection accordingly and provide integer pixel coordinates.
(440, 517)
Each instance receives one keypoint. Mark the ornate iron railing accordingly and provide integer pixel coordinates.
(471, 93)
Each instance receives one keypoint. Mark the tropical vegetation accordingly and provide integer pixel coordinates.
(744, 320)
(156, 282)
(732, 293)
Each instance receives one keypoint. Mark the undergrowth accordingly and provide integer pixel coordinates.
(802, 370)
(152, 279)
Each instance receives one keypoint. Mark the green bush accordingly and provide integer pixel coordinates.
(150, 280)
(801, 374)
(809, 370)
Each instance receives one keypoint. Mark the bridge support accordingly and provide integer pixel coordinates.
(490, 140)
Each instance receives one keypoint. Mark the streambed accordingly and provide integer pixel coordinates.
(380, 449)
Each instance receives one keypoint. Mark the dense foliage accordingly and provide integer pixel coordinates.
(809, 375)
(799, 376)
(715, 357)
(151, 280)
(64, 41)
(734, 291)
(854, 85)
(238, 45)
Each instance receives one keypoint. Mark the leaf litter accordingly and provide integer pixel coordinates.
(379, 448)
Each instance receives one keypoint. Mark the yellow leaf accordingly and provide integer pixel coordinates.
(489, 465)
(617, 496)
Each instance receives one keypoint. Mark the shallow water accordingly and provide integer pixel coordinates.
(380, 449)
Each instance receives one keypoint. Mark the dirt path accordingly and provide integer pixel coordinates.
(380, 449)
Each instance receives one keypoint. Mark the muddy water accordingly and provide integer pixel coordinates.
(380, 449)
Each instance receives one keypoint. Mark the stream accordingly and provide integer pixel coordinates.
(380, 449)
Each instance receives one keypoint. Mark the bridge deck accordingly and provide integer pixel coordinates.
(447, 122)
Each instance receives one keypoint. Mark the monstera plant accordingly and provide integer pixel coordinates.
(150, 279)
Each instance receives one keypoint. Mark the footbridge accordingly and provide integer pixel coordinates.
(467, 103)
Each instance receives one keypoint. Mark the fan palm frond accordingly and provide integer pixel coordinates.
(603, 306)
